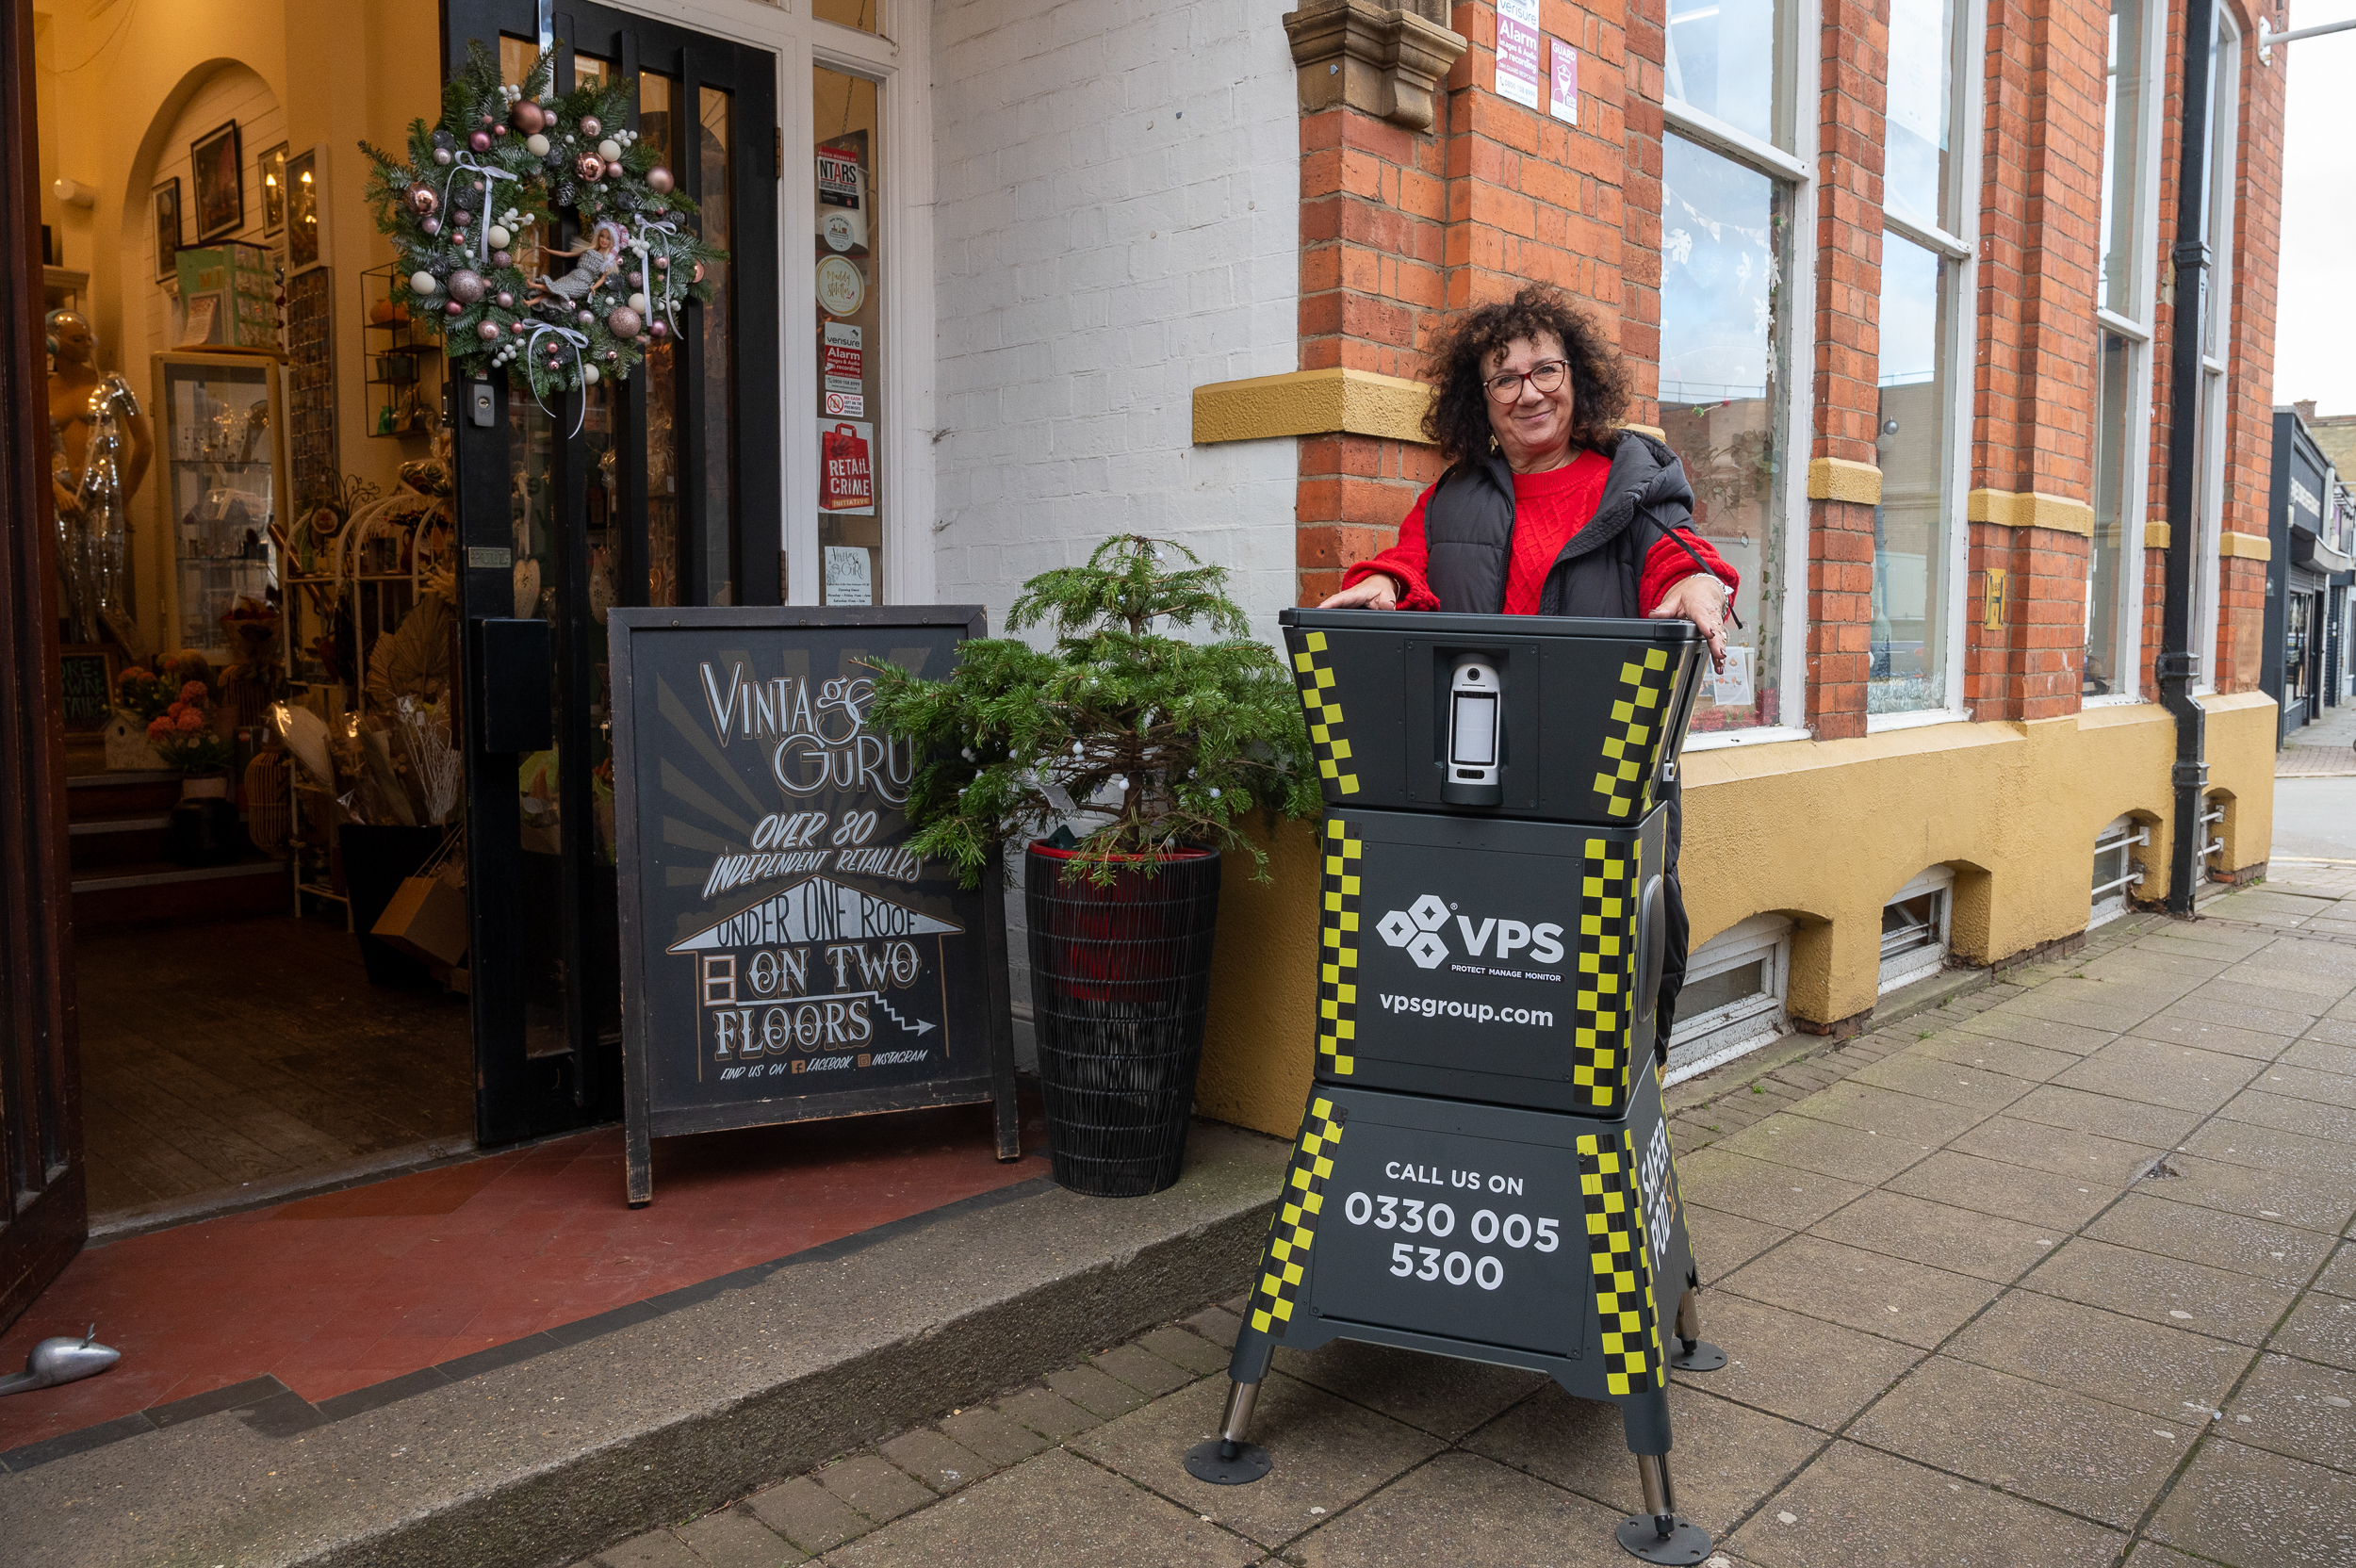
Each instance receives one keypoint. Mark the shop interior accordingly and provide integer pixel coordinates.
(256, 633)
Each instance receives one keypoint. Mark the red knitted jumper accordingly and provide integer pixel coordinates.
(1549, 509)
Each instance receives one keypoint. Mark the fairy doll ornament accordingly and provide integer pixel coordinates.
(600, 254)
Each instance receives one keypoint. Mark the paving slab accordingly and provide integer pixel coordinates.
(1056, 1512)
(1889, 1113)
(2300, 1081)
(2266, 1190)
(2103, 1460)
(1985, 1246)
(2330, 1031)
(1868, 1291)
(732, 1539)
(2252, 1143)
(1825, 1148)
(2297, 1408)
(1048, 1413)
(2068, 1036)
(2149, 1219)
(2088, 1157)
(1934, 1078)
(1328, 1453)
(2101, 1007)
(655, 1549)
(1101, 1395)
(939, 1461)
(1722, 1243)
(2229, 1037)
(1462, 1509)
(1185, 1349)
(2031, 1063)
(1859, 1509)
(2108, 1114)
(1999, 1188)
(2230, 1012)
(2193, 1296)
(807, 1515)
(998, 1439)
(1728, 1455)
(875, 1486)
(1141, 1369)
(2308, 1118)
(2161, 1371)
(1802, 1368)
(1439, 1395)
(2321, 1328)
(1762, 1190)
(2252, 1508)
(2161, 1074)
(2233, 991)
(2339, 1275)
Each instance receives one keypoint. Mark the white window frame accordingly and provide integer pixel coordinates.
(1793, 164)
(2134, 501)
(1958, 243)
(2215, 369)
(2108, 901)
(1711, 1039)
(1920, 963)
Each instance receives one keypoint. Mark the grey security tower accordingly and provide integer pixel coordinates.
(1483, 1171)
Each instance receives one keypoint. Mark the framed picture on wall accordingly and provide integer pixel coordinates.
(215, 164)
(168, 229)
(273, 167)
(302, 211)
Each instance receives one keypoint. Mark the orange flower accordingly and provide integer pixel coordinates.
(190, 721)
(193, 691)
(159, 729)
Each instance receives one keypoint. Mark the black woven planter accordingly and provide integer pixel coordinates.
(1120, 978)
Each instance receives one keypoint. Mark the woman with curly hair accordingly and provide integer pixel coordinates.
(1549, 508)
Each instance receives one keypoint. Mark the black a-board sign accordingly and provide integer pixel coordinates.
(785, 956)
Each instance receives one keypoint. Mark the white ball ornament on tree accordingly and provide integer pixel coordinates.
(609, 150)
(500, 238)
(536, 144)
(423, 281)
(637, 303)
(589, 375)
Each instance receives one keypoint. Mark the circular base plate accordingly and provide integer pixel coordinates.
(1688, 1543)
(1703, 1357)
(1250, 1464)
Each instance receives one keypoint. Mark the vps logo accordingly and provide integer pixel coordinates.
(1417, 928)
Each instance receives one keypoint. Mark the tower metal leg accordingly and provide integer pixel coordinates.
(1227, 1460)
(1658, 1535)
(1694, 1353)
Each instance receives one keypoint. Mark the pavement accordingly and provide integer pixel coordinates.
(2324, 749)
(2053, 1272)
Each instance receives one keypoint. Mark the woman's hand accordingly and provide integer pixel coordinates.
(1701, 599)
(1380, 591)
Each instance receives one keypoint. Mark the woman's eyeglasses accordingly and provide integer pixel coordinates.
(1547, 376)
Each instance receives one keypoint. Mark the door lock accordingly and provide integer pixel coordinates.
(479, 403)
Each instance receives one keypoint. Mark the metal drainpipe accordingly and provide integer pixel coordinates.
(2178, 664)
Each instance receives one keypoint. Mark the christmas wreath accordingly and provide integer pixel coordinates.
(477, 201)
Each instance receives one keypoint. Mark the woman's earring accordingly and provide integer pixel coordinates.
(1492, 443)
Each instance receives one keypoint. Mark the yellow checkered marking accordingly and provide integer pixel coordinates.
(1295, 1227)
(1323, 705)
(1615, 1250)
(1337, 949)
(1600, 1021)
(1638, 717)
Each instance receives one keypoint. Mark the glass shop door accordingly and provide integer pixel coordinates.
(660, 491)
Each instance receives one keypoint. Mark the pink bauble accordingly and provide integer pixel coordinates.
(421, 199)
(526, 117)
(458, 218)
(663, 264)
(431, 225)
(488, 332)
(467, 286)
(516, 327)
(655, 329)
(590, 128)
(480, 142)
(441, 154)
(583, 318)
(502, 260)
(451, 307)
(699, 271)
(638, 280)
(505, 301)
(613, 354)
(589, 165)
(659, 180)
(624, 322)
(487, 120)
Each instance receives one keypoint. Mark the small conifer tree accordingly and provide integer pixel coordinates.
(1178, 738)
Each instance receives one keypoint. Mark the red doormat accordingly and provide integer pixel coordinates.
(338, 1293)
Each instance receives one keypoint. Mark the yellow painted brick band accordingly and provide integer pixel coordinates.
(1837, 478)
(2156, 536)
(2246, 547)
(1311, 402)
(2034, 509)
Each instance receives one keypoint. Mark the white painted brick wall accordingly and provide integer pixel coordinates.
(1117, 222)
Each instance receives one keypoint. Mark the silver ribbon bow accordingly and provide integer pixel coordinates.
(460, 165)
(638, 244)
(576, 341)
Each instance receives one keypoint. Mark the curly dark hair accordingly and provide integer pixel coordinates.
(1457, 421)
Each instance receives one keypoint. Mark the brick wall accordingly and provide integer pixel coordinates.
(1118, 224)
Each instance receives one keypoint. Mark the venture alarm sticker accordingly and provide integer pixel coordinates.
(824, 961)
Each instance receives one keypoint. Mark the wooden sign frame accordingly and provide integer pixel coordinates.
(802, 903)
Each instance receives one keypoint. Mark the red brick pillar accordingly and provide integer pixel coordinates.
(1843, 482)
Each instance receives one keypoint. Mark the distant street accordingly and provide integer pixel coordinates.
(2314, 818)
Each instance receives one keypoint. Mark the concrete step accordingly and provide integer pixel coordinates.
(548, 1450)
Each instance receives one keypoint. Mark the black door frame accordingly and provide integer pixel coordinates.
(521, 1093)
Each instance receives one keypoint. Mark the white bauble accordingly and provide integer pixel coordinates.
(423, 282)
(589, 375)
(536, 144)
(637, 303)
(499, 236)
(609, 150)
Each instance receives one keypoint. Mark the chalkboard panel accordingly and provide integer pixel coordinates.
(784, 956)
(87, 672)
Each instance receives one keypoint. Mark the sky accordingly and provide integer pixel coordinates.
(2315, 336)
